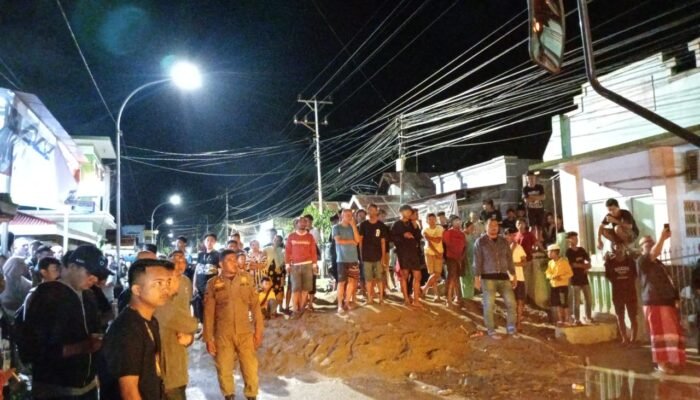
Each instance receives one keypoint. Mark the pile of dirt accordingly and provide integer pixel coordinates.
(438, 348)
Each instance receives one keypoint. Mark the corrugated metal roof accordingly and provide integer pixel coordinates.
(26, 219)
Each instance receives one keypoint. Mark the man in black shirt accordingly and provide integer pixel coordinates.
(510, 221)
(207, 268)
(533, 197)
(442, 220)
(621, 271)
(373, 252)
(61, 329)
(618, 226)
(130, 366)
(580, 263)
(406, 236)
(489, 212)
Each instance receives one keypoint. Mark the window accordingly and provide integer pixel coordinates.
(692, 218)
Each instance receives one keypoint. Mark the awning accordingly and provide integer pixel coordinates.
(666, 139)
(29, 225)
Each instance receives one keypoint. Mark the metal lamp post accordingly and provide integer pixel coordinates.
(175, 200)
(185, 76)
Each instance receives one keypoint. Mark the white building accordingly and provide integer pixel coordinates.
(604, 151)
(61, 182)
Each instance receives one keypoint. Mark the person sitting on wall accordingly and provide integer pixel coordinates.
(618, 226)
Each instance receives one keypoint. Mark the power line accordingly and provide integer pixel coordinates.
(85, 63)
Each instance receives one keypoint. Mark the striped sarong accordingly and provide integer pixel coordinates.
(667, 338)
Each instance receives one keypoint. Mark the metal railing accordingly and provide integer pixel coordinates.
(680, 263)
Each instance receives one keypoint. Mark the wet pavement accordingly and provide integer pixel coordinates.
(204, 385)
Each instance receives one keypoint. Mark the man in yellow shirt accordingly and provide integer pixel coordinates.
(558, 272)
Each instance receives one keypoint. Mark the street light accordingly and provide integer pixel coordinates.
(168, 221)
(184, 75)
(175, 200)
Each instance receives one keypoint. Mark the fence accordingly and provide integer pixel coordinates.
(680, 263)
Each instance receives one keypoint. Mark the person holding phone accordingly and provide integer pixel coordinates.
(618, 226)
(660, 298)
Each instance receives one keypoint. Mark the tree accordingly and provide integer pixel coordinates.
(321, 221)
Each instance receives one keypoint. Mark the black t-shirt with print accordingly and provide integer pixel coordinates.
(622, 274)
(207, 268)
(485, 216)
(372, 235)
(131, 348)
(578, 255)
(537, 190)
(626, 217)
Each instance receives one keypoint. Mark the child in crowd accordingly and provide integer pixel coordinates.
(580, 263)
(267, 299)
(558, 272)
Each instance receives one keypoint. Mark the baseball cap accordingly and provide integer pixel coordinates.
(553, 247)
(91, 258)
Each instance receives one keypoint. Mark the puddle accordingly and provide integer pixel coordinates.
(610, 384)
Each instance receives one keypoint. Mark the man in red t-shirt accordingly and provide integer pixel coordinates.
(455, 244)
(301, 260)
(525, 238)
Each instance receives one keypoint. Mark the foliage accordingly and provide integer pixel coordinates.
(321, 221)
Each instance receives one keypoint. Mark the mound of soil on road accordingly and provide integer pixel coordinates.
(432, 347)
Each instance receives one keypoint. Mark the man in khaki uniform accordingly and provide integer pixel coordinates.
(229, 300)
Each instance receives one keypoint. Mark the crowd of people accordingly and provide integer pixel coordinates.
(78, 330)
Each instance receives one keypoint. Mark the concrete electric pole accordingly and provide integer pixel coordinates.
(313, 104)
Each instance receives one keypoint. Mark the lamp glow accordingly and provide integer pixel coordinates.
(175, 200)
(186, 76)
(168, 221)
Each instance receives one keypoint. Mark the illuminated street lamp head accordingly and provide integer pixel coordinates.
(168, 221)
(175, 200)
(170, 235)
(186, 75)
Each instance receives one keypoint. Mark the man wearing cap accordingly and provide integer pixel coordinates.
(64, 327)
(559, 273)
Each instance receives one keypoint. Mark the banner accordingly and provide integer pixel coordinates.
(447, 203)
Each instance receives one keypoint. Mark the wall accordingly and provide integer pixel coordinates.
(598, 123)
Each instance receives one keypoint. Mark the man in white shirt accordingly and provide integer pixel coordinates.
(519, 260)
(434, 251)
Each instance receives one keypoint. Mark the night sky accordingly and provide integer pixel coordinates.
(258, 56)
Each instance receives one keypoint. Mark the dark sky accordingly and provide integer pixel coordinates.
(259, 55)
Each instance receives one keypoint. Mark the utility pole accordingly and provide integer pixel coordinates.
(226, 232)
(314, 126)
(401, 162)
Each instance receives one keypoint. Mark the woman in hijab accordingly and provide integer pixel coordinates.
(17, 285)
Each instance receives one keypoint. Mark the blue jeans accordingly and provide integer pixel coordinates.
(489, 289)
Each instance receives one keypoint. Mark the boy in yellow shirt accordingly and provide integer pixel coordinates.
(559, 272)
(267, 299)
